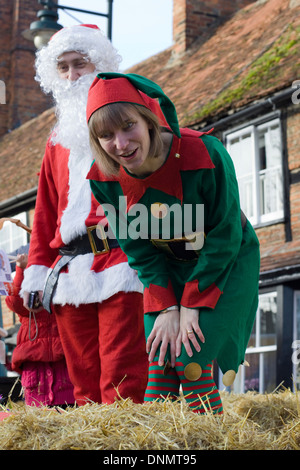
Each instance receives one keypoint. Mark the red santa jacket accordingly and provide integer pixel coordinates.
(65, 207)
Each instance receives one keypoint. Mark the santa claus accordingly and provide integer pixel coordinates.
(82, 278)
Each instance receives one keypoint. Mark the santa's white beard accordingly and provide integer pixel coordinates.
(71, 130)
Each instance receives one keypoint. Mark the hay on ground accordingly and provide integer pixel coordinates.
(250, 422)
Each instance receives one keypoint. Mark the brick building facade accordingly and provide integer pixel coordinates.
(24, 99)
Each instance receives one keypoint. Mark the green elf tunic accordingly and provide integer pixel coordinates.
(221, 276)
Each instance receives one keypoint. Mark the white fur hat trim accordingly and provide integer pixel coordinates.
(87, 40)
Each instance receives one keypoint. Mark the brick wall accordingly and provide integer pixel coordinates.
(193, 19)
(24, 99)
(5, 40)
(293, 138)
(295, 210)
(293, 145)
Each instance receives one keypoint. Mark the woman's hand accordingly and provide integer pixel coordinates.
(165, 331)
(189, 331)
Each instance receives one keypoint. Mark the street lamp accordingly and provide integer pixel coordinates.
(40, 31)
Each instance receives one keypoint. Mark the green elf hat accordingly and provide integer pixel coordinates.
(108, 88)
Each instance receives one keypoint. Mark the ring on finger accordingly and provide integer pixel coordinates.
(190, 332)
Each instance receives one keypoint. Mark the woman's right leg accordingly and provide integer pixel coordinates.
(160, 385)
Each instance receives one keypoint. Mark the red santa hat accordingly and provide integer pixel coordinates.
(93, 26)
(108, 88)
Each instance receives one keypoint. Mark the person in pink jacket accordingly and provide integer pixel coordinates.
(38, 356)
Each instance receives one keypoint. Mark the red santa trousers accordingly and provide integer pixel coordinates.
(104, 346)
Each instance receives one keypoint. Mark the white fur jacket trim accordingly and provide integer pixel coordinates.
(81, 285)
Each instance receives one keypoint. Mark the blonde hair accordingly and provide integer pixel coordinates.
(114, 115)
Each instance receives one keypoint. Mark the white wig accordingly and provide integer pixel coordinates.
(85, 39)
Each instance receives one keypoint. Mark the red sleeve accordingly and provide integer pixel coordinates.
(193, 298)
(157, 298)
(46, 213)
(18, 279)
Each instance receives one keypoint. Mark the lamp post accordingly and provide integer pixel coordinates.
(40, 31)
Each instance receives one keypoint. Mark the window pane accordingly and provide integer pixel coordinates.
(12, 236)
(264, 328)
(5, 238)
(252, 340)
(269, 146)
(270, 171)
(251, 381)
(268, 311)
(240, 149)
(261, 375)
(240, 152)
(269, 371)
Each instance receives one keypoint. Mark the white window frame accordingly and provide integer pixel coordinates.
(258, 218)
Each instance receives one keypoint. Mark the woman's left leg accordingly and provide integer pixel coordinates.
(201, 395)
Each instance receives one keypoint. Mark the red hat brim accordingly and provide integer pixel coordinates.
(118, 90)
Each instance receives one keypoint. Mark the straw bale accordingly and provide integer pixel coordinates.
(250, 422)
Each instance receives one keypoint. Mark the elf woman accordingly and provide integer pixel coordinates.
(171, 199)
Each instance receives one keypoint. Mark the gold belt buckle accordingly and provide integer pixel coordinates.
(99, 231)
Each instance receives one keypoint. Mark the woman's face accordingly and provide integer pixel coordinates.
(129, 144)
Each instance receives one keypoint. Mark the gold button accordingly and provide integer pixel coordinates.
(193, 371)
(177, 155)
(228, 378)
(159, 210)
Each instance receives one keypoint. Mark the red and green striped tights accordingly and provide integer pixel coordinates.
(201, 395)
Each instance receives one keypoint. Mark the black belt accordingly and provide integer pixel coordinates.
(177, 248)
(94, 241)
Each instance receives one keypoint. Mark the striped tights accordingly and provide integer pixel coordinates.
(201, 395)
